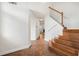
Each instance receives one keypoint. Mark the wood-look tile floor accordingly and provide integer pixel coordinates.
(39, 48)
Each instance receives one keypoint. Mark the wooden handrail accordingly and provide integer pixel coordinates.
(59, 13)
(55, 10)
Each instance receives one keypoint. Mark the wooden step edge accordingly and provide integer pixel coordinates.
(68, 43)
(73, 40)
(73, 30)
(64, 42)
(66, 48)
(61, 52)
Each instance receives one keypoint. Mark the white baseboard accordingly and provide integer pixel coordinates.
(14, 50)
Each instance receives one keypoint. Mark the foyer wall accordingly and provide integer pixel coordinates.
(14, 28)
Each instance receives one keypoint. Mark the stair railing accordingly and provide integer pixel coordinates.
(61, 13)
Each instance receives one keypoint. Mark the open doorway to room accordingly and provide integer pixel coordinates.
(42, 29)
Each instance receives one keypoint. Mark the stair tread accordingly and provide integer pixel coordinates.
(69, 39)
(68, 43)
(60, 51)
(65, 48)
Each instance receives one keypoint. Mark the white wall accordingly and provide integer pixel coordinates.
(15, 25)
(37, 28)
(71, 12)
(0, 19)
(14, 29)
(34, 24)
(32, 19)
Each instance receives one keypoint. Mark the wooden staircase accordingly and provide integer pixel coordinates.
(64, 45)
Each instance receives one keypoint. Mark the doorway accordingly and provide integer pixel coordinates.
(42, 29)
